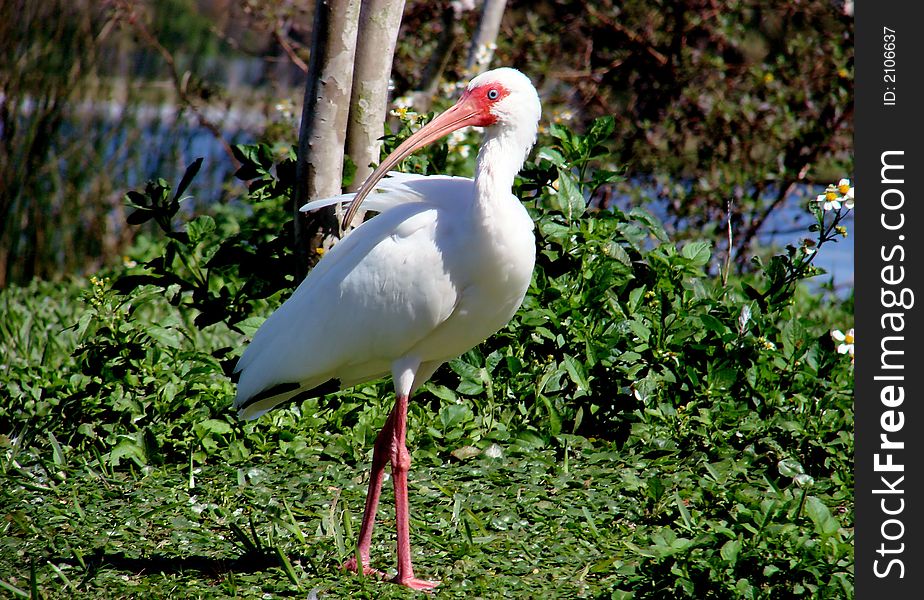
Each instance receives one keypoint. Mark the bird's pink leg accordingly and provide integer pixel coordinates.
(400, 463)
(380, 456)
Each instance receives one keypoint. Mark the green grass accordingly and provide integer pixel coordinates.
(585, 520)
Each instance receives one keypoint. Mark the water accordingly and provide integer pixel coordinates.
(150, 141)
(790, 224)
(787, 224)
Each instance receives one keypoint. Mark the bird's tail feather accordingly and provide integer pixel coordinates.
(254, 406)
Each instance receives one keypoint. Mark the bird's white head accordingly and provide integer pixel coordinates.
(503, 101)
(504, 98)
(509, 110)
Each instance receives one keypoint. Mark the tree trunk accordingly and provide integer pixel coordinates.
(319, 168)
(378, 30)
(482, 48)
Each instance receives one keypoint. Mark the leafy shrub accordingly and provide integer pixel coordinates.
(728, 403)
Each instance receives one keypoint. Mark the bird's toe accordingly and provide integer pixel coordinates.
(350, 565)
(416, 584)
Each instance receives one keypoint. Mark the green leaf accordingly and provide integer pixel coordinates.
(697, 252)
(127, 448)
(142, 215)
(168, 337)
(820, 515)
(576, 372)
(216, 426)
(442, 392)
(730, 551)
(453, 415)
(639, 329)
(57, 452)
(654, 227)
(722, 378)
(470, 387)
(188, 176)
(552, 155)
(601, 129)
(790, 467)
(199, 228)
(569, 199)
(250, 325)
(556, 232)
(713, 324)
(655, 488)
(554, 416)
(564, 134)
(635, 297)
(287, 568)
(616, 251)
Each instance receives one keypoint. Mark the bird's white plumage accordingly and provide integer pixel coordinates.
(415, 279)
(444, 265)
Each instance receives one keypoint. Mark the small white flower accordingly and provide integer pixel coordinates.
(456, 142)
(484, 54)
(405, 114)
(450, 88)
(456, 138)
(830, 200)
(848, 199)
(460, 6)
(403, 102)
(835, 195)
(846, 341)
(286, 108)
(563, 117)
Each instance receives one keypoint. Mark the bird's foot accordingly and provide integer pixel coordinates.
(350, 565)
(416, 584)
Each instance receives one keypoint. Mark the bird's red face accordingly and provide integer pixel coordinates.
(474, 108)
(480, 101)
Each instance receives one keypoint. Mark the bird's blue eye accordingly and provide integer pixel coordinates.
(493, 94)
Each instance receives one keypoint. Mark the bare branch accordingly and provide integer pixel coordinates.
(283, 42)
(128, 15)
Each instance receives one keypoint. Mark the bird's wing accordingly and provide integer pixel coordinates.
(372, 297)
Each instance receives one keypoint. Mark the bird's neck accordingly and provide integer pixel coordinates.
(499, 160)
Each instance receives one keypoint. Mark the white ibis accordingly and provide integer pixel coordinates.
(443, 266)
